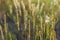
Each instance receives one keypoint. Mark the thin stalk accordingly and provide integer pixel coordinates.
(5, 25)
(36, 32)
(29, 30)
(42, 6)
(41, 23)
(25, 15)
(47, 31)
(1, 32)
(10, 36)
(41, 35)
(33, 20)
(52, 34)
(29, 4)
(18, 21)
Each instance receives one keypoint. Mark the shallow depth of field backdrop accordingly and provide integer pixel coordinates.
(28, 19)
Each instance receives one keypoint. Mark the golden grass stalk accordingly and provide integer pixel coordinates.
(1, 32)
(10, 36)
(20, 11)
(41, 22)
(16, 3)
(29, 4)
(29, 30)
(36, 32)
(25, 14)
(42, 7)
(33, 15)
(38, 3)
(5, 26)
(47, 31)
(41, 35)
(18, 21)
(47, 27)
(52, 19)
(10, 7)
(5, 23)
(23, 6)
(25, 19)
(52, 34)
(19, 6)
(44, 22)
(33, 19)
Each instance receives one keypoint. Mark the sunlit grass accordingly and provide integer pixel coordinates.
(40, 14)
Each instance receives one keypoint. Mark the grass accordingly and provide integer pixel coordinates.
(38, 19)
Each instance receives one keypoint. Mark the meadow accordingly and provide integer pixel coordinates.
(28, 19)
